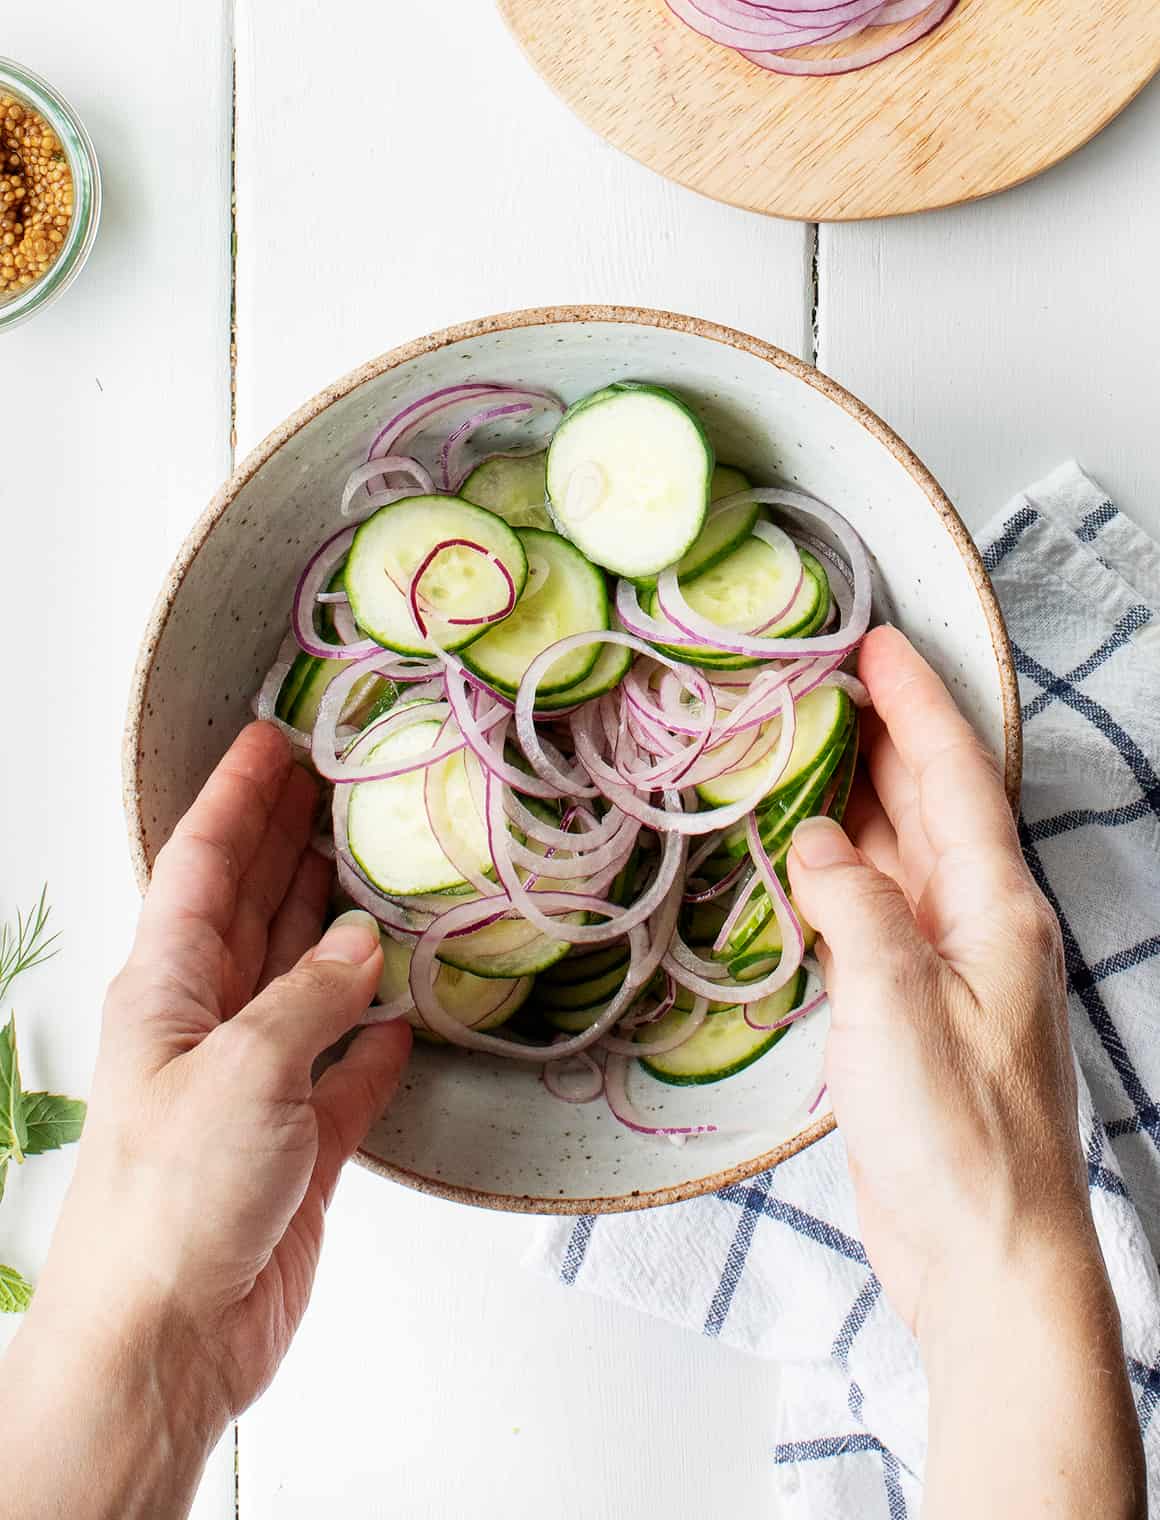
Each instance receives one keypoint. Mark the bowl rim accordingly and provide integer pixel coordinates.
(544, 316)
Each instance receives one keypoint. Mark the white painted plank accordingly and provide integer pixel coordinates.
(115, 429)
(434, 1377)
(399, 170)
(1002, 337)
(403, 168)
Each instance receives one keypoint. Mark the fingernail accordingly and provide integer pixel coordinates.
(351, 940)
(820, 842)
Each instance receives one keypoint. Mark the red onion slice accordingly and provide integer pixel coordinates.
(316, 577)
(622, 1107)
(583, 1066)
(873, 52)
(392, 464)
(688, 1029)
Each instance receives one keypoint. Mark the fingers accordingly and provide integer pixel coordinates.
(873, 946)
(961, 799)
(198, 873)
(298, 923)
(871, 830)
(351, 1095)
(898, 794)
(266, 882)
(275, 1040)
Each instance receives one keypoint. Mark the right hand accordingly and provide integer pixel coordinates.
(948, 1061)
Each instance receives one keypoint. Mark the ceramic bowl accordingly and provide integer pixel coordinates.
(466, 1126)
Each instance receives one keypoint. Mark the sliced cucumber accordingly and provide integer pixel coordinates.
(722, 532)
(387, 825)
(724, 1044)
(611, 667)
(514, 489)
(564, 594)
(586, 994)
(368, 700)
(572, 1020)
(702, 923)
(584, 967)
(309, 676)
(755, 940)
(461, 583)
(823, 720)
(473, 1000)
(509, 948)
(628, 478)
(782, 812)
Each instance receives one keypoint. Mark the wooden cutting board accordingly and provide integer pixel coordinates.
(998, 93)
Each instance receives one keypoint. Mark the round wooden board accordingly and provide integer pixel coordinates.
(998, 93)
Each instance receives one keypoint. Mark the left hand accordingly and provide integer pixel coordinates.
(195, 1220)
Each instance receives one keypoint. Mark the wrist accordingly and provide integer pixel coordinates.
(132, 1421)
(1028, 1253)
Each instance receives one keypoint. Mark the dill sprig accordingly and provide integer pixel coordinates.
(29, 945)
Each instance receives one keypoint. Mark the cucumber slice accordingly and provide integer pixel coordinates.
(725, 1044)
(474, 1001)
(566, 595)
(702, 923)
(391, 545)
(628, 478)
(721, 533)
(610, 669)
(584, 967)
(387, 826)
(587, 994)
(572, 1020)
(369, 698)
(514, 489)
(756, 936)
(823, 720)
(805, 616)
(509, 948)
(782, 812)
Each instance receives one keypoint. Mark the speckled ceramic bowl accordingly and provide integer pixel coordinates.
(465, 1126)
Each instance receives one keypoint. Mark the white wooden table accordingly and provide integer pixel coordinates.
(396, 170)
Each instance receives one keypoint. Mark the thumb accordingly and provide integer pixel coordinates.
(301, 1014)
(870, 933)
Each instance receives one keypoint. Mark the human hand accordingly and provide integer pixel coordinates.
(194, 1224)
(950, 1070)
(948, 1059)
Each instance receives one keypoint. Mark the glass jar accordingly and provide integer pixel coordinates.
(32, 91)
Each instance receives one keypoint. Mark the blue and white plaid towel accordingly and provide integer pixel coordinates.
(774, 1266)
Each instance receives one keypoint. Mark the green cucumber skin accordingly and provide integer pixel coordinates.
(583, 968)
(593, 994)
(720, 1075)
(808, 626)
(518, 570)
(583, 691)
(760, 909)
(534, 958)
(528, 538)
(572, 1021)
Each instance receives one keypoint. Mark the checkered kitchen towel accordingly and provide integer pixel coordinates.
(774, 1266)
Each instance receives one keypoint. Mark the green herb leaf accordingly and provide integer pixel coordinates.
(15, 1292)
(50, 1121)
(26, 946)
(3, 1177)
(13, 1132)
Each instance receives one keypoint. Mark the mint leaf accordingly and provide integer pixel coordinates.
(15, 1292)
(3, 1177)
(50, 1121)
(13, 1132)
